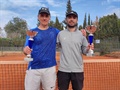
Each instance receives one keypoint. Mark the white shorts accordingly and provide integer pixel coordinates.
(35, 77)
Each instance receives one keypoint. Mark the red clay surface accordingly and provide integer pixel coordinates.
(98, 76)
(8, 56)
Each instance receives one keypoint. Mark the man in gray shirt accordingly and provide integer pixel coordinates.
(73, 45)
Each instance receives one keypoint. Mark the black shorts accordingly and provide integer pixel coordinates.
(76, 79)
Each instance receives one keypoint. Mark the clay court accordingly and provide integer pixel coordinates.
(10, 56)
(101, 72)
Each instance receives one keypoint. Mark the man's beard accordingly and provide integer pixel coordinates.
(72, 26)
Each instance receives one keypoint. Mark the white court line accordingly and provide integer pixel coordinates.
(13, 62)
(85, 61)
(101, 60)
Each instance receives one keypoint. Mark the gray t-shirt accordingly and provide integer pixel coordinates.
(73, 45)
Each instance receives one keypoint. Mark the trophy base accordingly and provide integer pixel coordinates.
(28, 59)
(90, 53)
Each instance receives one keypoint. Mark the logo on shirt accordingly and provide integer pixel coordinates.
(64, 38)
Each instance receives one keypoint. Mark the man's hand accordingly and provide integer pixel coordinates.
(83, 32)
(27, 50)
(90, 46)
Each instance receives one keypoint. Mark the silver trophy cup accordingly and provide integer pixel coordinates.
(31, 34)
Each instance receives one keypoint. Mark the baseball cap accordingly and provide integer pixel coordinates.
(44, 10)
(72, 13)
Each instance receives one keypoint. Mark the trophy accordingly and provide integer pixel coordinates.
(31, 34)
(90, 29)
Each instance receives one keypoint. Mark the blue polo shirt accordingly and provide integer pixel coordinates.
(43, 48)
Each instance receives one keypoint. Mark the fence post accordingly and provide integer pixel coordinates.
(1, 47)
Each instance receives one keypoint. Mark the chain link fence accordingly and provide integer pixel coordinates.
(11, 45)
(107, 45)
(104, 46)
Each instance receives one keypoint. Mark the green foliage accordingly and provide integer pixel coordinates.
(89, 20)
(69, 8)
(119, 24)
(84, 23)
(16, 28)
(109, 26)
(80, 27)
(15, 42)
(107, 45)
(51, 23)
(105, 48)
(3, 41)
(0, 32)
(56, 24)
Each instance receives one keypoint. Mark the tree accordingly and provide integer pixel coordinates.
(119, 28)
(89, 19)
(109, 26)
(96, 23)
(58, 25)
(91, 22)
(16, 28)
(69, 7)
(84, 23)
(80, 27)
(0, 32)
(116, 26)
(51, 23)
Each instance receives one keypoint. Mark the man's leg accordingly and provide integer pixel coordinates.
(63, 80)
(49, 78)
(77, 80)
(32, 80)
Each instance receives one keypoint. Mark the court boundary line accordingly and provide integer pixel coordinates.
(101, 60)
(84, 61)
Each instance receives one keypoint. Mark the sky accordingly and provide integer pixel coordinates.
(28, 9)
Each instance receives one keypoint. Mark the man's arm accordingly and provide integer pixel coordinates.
(58, 44)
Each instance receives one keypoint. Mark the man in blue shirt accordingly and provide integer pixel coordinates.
(42, 69)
